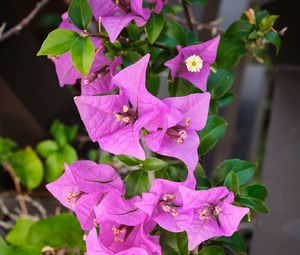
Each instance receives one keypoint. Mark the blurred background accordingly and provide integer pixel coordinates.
(264, 123)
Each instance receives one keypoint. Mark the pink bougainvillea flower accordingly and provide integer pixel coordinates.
(123, 226)
(115, 121)
(163, 204)
(117, 209)
(84, 185)
(193, 62)
(121, 240)
(181, 140)
(214, 215)
(115, 17)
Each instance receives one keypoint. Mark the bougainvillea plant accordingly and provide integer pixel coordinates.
(123, 53)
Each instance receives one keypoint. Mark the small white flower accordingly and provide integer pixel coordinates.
(194, 63)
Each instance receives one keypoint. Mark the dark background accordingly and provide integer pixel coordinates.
(264, 123)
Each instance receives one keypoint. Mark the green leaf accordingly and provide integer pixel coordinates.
(59, 231)
(16, 250)
(255, 191)
(212, 133)
(225, 100)
(131, 57)
(173, 243)
(153, 164)
(28, 167)
(46, 148)
(18, 235)
(267, 22)
(129, 161)
(82, 53)
(54, 166)
(136, 182)
(219, 83)
(238, 30)
(243, 169)
(212, 250)
(260, 15)
(273, 38)
(71, 132)
(154, 26)
(234, 243)
(232, 182)
(80, 13)
(172, 35)
(253, 203)
(153, 83)
(58, 42)
(93, 155)
(57, 130)
(158, 64)
(6, 147)
(229, 53)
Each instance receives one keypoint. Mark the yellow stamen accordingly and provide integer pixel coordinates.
(125, 108)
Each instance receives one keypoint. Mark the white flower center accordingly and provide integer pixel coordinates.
(194, 63)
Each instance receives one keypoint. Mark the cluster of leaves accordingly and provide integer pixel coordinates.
(30, 237)
(27, 165)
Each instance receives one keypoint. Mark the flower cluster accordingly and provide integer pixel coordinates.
(118, 226)
(124, 119)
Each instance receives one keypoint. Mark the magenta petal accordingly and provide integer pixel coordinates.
(91, 177)
(119, 210)
(61, 188)
(175, 63)
(94, 247)
(198, 79)
(134, 251)
(137, 8)
(115, 24)
(97, 114)
(196, 198)
(123, 141)
(148, 203)
(84, 209)
(202, 230)
(177, 223)
(207, 50)
(194, 106)
(66, 72)
(131, 81)
(103, 8)
(230, 218)
(170, 147)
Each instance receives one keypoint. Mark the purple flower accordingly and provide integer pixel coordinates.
(123, 226)
(115, 121)
(115, 17)
(122, 240)
(117, 209)
(180, 139)
(213, 214)
(193, 62)
(84, 185)
(163, 204)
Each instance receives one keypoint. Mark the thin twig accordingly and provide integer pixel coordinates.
(213, 25)
(24, 22)
(18, 189)
(187, 15)
(37, 205)
(6, 225)
(6, 212)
